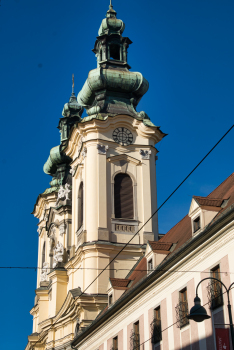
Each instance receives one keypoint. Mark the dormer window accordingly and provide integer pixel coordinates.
(196, 224)
(110, 299)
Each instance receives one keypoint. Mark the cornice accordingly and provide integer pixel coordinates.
(96, 125)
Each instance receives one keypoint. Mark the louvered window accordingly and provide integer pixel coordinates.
(80, 206)
(123, 196)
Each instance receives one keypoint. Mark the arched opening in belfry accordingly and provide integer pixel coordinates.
(80, 205)
(115, 52)
(123, 193)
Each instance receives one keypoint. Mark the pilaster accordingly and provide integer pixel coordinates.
(59, 280)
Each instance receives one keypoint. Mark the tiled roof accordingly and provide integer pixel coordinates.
(211, 202)
(160, 245)
(119, 282)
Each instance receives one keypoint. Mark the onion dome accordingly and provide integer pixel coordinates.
(111, 25)
(112, 89)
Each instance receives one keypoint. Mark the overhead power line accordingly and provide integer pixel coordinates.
(152, 216)
(113, 269)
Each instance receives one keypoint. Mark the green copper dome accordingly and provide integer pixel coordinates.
(111, 25)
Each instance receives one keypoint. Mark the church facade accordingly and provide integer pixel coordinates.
(104, 281)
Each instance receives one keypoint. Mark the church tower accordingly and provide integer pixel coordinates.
(103, 190)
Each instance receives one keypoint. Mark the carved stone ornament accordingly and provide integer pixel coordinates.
(44, 272)
(63, 193)
(58, 254)
(72, 171)
(145, 154)
(80, 143)
(62, 229)
(84, 152)
(102, 148)
(39, 230)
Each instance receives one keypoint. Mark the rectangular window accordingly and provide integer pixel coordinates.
(150, 265)
(156, 330)
(215, 289)
(182, 309)
(135, 337)
(110, 299)
(115, 343)
(196, 224)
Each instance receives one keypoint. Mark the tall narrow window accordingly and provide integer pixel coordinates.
(80, 206)
(182, 309)
(110, 300)
(156, 329)
(123, 192)
(215, 289)
(43, 254)
(115, 343)
(135, 337)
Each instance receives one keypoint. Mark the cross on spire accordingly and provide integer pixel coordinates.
(73, 84)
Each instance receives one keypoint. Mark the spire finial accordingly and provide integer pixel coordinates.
(111, 6)
(72, 83)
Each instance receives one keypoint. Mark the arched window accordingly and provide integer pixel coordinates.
(123, 192)
(80, 205)
(43, 254)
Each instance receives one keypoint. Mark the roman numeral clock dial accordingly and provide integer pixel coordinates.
(123, 136)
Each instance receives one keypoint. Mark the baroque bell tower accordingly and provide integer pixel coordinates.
(103, 190)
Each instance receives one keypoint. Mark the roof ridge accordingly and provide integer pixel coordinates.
(220, 184)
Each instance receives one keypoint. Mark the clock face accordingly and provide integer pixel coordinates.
(122, 136)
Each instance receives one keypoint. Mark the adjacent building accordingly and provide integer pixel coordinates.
(103, 282)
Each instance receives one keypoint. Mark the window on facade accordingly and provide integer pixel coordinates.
(150, 265)
(156, 330)
(43, 254)
(123, 193)
(80, 206)
(114, 52)
(135, 337)
(115, 343)
(196, 224)
(182, 309)
(110, 299)
(215, 289)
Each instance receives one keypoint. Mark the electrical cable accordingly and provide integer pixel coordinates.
(116, 269)
(151, 216)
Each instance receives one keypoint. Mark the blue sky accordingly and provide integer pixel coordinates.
(183, 48)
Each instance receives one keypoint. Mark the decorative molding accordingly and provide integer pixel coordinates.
(62, 229)
(72, 171)
(145, 154)
(39, 230)
(44, 271)
(84, 152)
(102, 149)
(124, 157)
(58, 254)
(79, 146)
